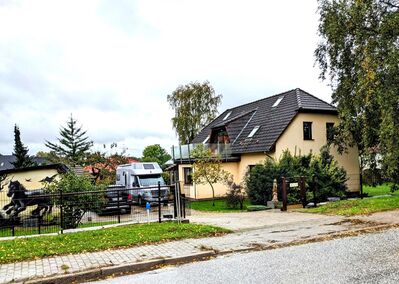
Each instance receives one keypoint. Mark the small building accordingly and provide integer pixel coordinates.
(34, 177)
(245, 135)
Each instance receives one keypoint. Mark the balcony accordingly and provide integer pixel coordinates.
(183, 152)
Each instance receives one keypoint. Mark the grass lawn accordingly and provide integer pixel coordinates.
(21, 231)
(220, 206)
(357, 207)
(382, 189)
(124, 236)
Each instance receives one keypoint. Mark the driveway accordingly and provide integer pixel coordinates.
(259, 219)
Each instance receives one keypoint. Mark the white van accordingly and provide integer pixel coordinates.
(142, 181)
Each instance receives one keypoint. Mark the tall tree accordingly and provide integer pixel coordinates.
(195, 105)
(73, 143)
(155, 153)
(23, 160)
(359, 51)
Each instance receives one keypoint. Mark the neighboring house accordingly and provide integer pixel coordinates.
(33, 177)
(245, 135)
(7, 160)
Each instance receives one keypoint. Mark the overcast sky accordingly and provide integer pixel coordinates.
(112, 63)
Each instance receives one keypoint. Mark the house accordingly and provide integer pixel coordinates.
(245, 135)
(34, 177)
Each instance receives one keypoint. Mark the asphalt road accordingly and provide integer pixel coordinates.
(371, 258)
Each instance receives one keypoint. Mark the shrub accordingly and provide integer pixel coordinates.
(329, 177)
(235, 196)
(77, 197)
(259, 182)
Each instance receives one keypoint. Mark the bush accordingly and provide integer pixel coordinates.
(259, 182)
(77, 197)
(235, 196)
(329, 177)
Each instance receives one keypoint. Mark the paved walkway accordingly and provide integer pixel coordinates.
(265, 230)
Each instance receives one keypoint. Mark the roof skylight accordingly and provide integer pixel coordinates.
(278, 101)
(227, 115)
(256, 128)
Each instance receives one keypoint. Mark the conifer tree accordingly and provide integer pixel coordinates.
(20, 151)
(73, 144)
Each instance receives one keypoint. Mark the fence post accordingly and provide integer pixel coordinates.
(184, 205)
(13, 225)
(303, 191)
(314, 192)
(38, 223)
(61, 211)
(174, 201)
(159, 202)
(119, 206)
(284, 193)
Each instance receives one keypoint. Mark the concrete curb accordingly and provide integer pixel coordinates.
(131, 268)
(119, 269)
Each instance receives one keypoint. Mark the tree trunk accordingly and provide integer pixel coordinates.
(213, 195)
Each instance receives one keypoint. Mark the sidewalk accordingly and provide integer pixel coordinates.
(262, 234)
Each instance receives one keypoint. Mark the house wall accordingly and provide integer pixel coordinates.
(201, 191)
(237, 169)
(292, 139)
(34, 176)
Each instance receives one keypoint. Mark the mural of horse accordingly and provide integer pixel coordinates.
(21, 198)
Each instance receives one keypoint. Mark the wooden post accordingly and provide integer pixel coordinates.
(284, 197)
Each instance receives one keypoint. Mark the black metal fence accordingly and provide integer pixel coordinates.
(55, 213)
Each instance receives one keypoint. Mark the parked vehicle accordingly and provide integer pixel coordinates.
(141, 180)
(118, 201)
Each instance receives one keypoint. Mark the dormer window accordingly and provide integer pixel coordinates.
(276, 103)
(256, 128)
(227, 115)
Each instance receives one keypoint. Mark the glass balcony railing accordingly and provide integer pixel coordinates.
(185, 151)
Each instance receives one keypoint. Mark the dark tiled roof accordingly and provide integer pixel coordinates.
(6, 160)
(61, 168)
(271, 120)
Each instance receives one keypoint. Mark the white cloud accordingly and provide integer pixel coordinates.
(112, 63)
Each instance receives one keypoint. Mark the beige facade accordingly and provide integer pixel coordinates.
(29, 179)
(293, 140)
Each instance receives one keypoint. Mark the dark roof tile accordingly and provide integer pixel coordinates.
(272, 120)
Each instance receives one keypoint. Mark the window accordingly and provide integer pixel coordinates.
(330, 131)
(256, 128)
(188, 176)
(148, 166)
(227, 115)
(278, 101)
(307, 130)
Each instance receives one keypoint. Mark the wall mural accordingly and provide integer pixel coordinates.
(20, 198)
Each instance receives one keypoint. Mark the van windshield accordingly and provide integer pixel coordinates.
(151, 180)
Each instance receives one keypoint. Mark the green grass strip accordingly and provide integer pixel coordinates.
(357, 207)
(124, 236)
(220, 206)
